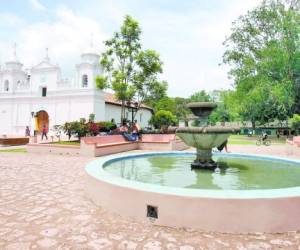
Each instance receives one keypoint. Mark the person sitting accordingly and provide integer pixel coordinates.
(222, 146)
(136, 129)
(129, 137)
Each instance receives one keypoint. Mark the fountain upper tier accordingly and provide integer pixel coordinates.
(202, 109)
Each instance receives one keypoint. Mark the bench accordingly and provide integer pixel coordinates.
(104, 145)
(14, 141)
(110, 144)
(295, 141)
(158, 138)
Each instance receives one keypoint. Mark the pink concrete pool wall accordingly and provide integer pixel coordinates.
(236, 215)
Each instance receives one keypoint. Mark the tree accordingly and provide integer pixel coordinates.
(162, 119)
(128, 70)
(200, 96)
(295, 122)
(263, 53)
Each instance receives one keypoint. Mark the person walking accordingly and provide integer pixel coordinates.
(44, 132)
(27, 131)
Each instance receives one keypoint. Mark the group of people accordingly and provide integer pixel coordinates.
(135, 131)
(44, 132)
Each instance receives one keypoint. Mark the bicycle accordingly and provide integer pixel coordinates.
(266, 142)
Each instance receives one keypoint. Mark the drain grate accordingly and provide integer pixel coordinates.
(152, 211)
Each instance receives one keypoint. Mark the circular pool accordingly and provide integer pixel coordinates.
(246, 193)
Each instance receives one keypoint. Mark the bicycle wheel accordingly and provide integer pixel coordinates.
(267, 142)
(258, 142)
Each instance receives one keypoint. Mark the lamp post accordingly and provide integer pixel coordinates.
(132, 107)
(32, 132)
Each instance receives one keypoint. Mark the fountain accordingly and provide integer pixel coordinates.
(247, 193)
(205, 137)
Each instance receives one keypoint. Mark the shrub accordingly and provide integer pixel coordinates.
(106, 126)
(93, 128)
(295, 122)
(162, 119)
(76, 128)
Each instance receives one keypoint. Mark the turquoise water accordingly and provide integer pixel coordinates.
(233, 174)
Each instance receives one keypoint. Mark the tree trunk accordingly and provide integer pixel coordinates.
(122, 112)
(253, 125)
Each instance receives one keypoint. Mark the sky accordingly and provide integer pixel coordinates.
(188, 35)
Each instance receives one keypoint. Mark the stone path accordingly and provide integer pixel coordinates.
(43, 206)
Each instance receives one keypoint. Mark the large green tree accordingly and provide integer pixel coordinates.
(132, 73)
(200, 96)
(263, 53)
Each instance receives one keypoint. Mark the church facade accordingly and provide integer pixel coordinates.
(40, 96)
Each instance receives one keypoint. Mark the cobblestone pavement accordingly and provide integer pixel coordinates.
(43, 206)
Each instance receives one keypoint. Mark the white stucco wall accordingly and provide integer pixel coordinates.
(114, 112)
(65, 100)
(44, 78)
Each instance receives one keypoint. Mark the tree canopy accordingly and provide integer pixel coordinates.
(128, 70)
(264, 55)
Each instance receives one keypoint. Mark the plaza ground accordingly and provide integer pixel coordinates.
(43, 206)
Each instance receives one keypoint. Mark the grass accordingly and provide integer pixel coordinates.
(15, 150)
(245, 140)
(76, 143)
(240, 142)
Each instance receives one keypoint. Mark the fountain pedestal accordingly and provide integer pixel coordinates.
(204, 160)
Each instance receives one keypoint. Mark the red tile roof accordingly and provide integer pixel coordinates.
(111, 99)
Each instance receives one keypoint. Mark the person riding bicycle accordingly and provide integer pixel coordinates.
(264, 136)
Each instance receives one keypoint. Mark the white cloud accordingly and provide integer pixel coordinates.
(37, 5)
(67, 37)
(9, 20)
(190, 44)
(189, 41)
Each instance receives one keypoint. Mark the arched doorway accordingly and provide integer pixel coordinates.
(42, 119)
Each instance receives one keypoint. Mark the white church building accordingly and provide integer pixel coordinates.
(40, 96)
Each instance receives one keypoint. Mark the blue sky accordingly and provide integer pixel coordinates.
(187, 34)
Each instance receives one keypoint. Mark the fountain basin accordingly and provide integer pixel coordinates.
(259, 210)
(204, 139)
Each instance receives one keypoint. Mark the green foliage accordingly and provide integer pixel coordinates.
(162, 118)
(264, 56)
(102, 82)
(76, 128)
(106, 126)
(92, 117)
(130, 71)
(295, 122)
(200, 96)
(81, 128)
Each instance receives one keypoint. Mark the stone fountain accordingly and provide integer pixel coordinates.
(204, 137)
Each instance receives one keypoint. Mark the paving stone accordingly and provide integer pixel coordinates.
(43, 206)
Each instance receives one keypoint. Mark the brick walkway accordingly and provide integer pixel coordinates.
(43, 206)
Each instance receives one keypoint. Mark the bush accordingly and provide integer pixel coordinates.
(93, 128)
(76, 128)
(81, 128)
(106, 126)
(163, 119)
(295, 122)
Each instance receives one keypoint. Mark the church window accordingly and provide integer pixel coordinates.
(84, 81)
(6, 85)
(44, 92)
